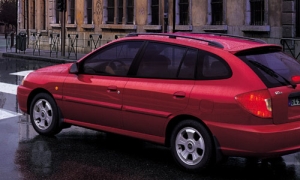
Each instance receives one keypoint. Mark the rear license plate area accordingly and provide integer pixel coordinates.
(294, 101)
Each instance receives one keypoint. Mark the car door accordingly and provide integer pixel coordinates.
(160, 89)
(94, 95)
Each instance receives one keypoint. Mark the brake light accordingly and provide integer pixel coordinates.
(257, 102)
(296, 79)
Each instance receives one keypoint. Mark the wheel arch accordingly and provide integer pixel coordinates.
(173, 122)
(33, 94)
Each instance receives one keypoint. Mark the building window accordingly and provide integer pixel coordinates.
(298, 18)
(257, 8)
(183, 12)
(44, 14)
(130, 14)
(32, 8)
(154, 12)
(71, 16)
(120, 11)
(217, 12)
(89, 12)
(110, 12)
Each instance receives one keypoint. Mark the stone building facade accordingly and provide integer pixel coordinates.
(270, 20)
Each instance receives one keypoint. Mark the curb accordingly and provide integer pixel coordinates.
(37, 58)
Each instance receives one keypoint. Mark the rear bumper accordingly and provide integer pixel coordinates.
(22, 96)
(257, 141)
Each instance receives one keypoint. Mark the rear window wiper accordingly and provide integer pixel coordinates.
(272, 73)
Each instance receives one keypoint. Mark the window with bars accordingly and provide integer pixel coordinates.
(257, 8)
(33, 15)
(110, 11)
(89, 11)
(183, 12)
(154, 12)
(120, 11)
(130, 14)
(217, 12)
(298, 18)
(72, 12)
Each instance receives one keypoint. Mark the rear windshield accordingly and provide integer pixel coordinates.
(274, 68)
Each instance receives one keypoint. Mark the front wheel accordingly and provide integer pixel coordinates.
(191, 145)
(44, 115)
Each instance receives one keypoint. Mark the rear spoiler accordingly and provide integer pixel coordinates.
(260, 49)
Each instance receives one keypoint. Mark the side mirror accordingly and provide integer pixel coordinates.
(74, 68)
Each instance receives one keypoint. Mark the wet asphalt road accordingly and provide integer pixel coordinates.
(78, 153)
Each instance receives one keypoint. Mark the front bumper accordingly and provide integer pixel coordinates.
(22, 96)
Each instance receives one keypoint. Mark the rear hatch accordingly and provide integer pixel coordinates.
(281, 75)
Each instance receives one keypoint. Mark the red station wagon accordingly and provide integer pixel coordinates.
(203, 95)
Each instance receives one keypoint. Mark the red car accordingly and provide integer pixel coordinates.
(203, 95)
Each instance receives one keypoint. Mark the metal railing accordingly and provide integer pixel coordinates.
(54, 41)
(72, 47)
(36, 42)
(289, 46)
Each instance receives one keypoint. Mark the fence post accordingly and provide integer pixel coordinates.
(54, 43)
(94, 43)
(72, 47)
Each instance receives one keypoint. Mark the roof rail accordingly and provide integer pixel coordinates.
(230, 35)
(174, 36)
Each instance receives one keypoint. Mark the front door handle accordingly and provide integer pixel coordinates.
(179, 94)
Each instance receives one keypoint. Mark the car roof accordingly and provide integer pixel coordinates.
(230, 43)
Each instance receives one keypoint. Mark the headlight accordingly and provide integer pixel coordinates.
(22, 83)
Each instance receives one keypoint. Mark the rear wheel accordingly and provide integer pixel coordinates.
(191, 145)
(44, 115)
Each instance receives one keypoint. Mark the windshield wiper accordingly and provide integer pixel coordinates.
(272, 73)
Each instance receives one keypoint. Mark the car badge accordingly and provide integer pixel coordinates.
(278, 92)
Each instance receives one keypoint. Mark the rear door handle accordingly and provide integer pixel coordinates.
(179, 94)
(112, 89)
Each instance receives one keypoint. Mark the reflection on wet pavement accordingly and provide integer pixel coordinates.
(78, 153)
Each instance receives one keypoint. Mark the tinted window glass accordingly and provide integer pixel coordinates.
(212, 67)
(113, 60)
(187, 70)
(279, 62)
(161, 61)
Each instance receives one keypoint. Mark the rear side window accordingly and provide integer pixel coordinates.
(161, 60)
(283, 66)
(212, 67)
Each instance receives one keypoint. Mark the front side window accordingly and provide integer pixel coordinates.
(217, 12)
(257, 8)
(113, 60)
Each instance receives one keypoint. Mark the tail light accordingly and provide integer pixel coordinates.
(257, 102)
(296, 79)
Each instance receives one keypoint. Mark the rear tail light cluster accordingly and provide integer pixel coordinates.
(257, 102)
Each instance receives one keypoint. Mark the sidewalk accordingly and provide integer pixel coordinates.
(31, 54)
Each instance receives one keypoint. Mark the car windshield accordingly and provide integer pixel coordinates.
(282, 64)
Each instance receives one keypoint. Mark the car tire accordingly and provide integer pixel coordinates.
(191, 145)
(44, 115)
